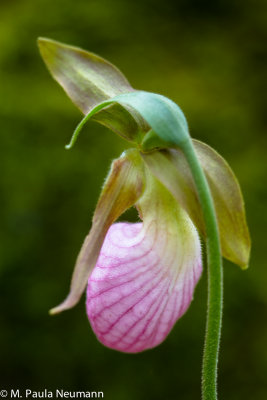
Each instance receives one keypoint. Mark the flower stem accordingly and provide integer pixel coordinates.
(215, 277)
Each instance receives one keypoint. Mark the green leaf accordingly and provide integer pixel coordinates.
(89, 80)
(164, 116)
(124, 121)
(168, 123)
(171, 168)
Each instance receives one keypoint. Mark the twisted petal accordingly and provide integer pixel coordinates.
(145, 275)
(171, 168)
(123, 187)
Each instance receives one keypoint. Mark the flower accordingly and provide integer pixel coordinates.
(145, 275)
(141, 277)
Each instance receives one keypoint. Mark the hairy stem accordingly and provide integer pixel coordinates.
(215, 278)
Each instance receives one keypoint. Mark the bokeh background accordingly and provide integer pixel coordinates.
(209, 57)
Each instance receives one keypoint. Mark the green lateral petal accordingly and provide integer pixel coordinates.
(122, 189)
(171, 168)
(89, 80)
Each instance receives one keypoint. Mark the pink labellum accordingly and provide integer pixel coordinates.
(142, 283)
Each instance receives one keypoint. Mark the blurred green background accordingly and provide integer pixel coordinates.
(209, 57)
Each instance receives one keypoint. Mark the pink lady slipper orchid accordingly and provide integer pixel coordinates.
(141, 277)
